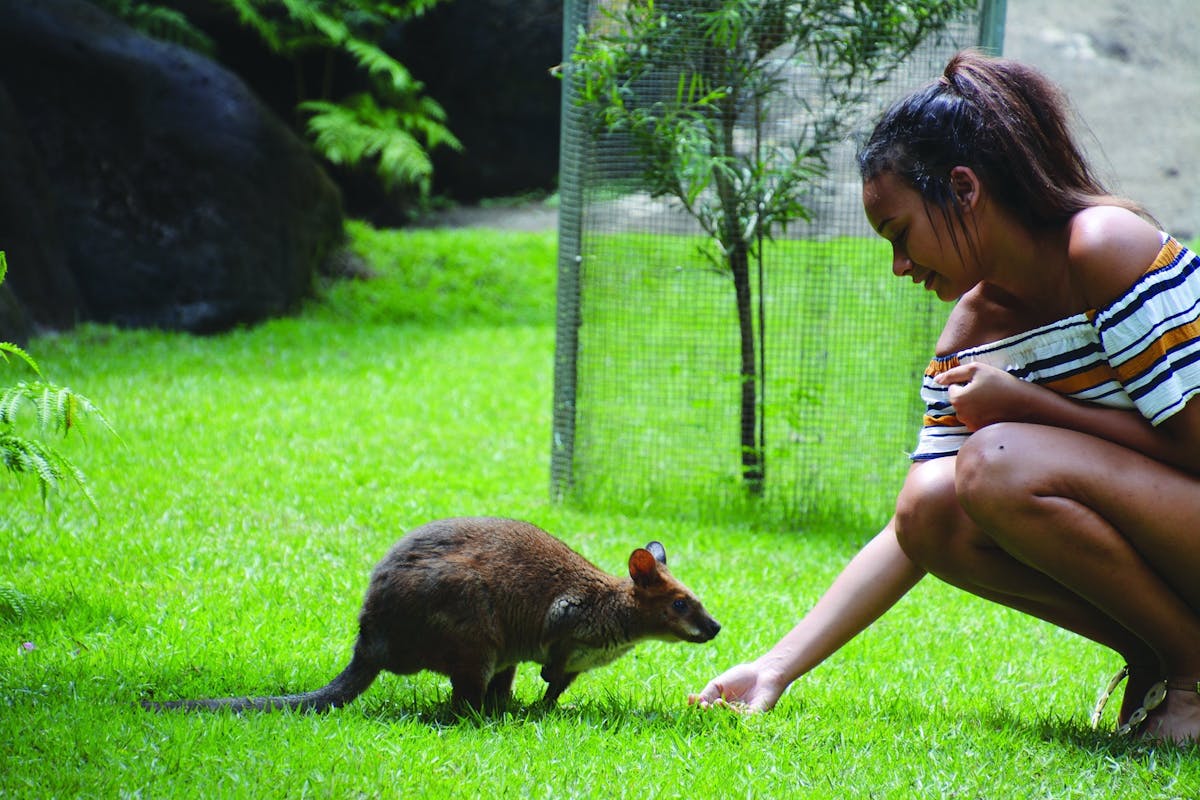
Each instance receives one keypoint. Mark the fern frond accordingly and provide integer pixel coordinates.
(310, 16)
(403, 160)
(8, 348)
(10, 403)
(57, 409)
(46, 407)
(22, 456)
(427, 118)
(337, 131)
(66, 408)
(249, 15)
(14, 605)
(359, 130)
(378, 64)
(29, 456)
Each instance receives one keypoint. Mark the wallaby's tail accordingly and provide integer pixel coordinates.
(353, 681)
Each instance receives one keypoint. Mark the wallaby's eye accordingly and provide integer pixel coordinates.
(680, 605)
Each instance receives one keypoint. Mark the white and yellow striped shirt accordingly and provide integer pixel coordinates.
(1141, 351)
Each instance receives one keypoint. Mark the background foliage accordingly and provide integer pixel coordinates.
(389, 124)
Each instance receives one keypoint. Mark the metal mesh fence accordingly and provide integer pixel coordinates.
(648, 414)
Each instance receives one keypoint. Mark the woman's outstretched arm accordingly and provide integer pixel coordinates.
(874, 580)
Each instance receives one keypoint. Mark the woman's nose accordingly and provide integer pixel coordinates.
(901, 263)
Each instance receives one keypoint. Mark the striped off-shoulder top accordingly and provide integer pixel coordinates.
(1141, 351)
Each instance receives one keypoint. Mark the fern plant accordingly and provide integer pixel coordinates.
(392, 127)
(396, 138)
(56, 410)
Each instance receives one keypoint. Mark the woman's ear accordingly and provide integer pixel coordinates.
(966, 186)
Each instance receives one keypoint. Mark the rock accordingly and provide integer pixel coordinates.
(29, 236)
(174, 198)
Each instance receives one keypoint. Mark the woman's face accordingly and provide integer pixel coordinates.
(922, 247)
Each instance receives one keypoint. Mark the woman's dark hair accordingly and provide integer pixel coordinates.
(1006, 121)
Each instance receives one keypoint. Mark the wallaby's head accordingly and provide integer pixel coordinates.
(667, 609)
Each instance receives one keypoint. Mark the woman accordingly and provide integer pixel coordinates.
(1058, 469)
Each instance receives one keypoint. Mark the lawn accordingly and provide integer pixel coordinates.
(260, 474)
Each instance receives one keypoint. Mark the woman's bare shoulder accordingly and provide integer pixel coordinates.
(1108, 250)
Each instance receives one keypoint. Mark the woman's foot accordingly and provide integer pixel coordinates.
(1178, 718)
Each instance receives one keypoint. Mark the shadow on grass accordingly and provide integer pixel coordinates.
(607, 711)
(1101, 742)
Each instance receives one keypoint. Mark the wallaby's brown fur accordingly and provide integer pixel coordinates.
(472, 597)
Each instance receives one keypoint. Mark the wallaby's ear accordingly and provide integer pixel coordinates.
(658, 551)
(643, 568)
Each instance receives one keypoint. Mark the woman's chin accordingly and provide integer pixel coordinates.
(947, 292)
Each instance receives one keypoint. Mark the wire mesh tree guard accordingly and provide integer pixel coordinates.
(686, 387)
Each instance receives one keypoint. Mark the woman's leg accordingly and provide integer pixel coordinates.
(1116, 529)
(936, 534)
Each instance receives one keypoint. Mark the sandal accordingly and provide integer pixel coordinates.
(1098, 711)
(1153, 699)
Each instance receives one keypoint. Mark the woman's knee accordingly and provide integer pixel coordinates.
(927, 512)
(989, 472)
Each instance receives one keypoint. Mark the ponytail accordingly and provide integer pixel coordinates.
(1003, 119)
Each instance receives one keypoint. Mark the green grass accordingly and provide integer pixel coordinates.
(260, 475)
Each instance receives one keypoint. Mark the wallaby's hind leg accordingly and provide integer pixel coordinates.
(499, 689)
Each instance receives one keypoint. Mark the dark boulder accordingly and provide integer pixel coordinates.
(170, 194)
(29, 236)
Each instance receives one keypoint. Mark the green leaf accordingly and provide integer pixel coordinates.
(359, 130)
(8, 348)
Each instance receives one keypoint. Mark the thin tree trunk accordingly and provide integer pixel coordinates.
(737, 252)
(753, 466)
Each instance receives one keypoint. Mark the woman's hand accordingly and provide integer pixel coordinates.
(982, 395)
(746, 687)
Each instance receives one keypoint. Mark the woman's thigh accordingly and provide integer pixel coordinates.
(1154, 506)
